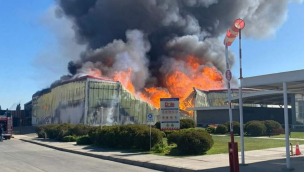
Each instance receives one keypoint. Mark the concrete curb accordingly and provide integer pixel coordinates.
(149, 165)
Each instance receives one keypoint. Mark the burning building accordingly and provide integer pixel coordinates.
(148, 49)
(89, 100)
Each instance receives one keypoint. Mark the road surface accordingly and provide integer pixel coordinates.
(16, 155)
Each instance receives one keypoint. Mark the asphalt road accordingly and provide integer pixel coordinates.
(16, 155)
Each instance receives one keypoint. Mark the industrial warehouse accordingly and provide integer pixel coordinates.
(89, 100)
(100, 101)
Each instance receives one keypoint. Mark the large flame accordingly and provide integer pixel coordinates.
(125, 79)
(178, 83)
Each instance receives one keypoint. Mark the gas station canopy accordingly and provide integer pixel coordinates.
(274, 89)
(293, 79)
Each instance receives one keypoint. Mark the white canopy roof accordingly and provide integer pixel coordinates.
(294, 80)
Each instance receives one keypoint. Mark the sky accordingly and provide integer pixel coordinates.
(29, 45)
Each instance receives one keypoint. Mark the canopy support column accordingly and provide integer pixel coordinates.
(286, 125)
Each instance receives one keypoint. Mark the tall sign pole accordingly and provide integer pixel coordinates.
(231, 34)
(150, 120)
(232, 146)
(241, 101)
(228, 77)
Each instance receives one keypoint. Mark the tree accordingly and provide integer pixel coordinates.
(0, 107)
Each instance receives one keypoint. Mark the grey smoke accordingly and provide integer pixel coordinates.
(144, 34)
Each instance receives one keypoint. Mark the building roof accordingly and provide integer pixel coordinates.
(74, 79)
(263, 97)
(293, 79)
(271, 87)
(212, 108)
(225, 89)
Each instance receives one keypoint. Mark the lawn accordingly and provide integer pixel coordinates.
(221, 145)
(250, 143)
(297, 135)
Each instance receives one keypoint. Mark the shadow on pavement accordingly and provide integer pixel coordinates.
(267, 166)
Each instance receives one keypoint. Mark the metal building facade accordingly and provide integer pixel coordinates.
(90, 100)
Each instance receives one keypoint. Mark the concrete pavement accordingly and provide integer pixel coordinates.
(19, 156)
(262, 160)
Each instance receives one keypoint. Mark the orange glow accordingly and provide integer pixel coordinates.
(95, 72)
(177, 84)
(125, 79)
(181, 84)
(153, 95)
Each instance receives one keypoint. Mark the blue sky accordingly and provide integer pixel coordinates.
(24, 39)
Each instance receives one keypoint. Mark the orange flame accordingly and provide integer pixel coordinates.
(181, 84)
(177, 83)
(125, 79)
(94, 72)
(153, 95)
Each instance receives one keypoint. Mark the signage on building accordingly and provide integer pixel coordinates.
(169, 114)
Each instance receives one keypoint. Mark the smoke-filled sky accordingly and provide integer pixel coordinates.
(39, 39)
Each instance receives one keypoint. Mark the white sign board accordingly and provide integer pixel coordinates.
(150, 117)
(169, 116)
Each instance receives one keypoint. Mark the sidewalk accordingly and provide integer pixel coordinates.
(264, 137)
(262, 160)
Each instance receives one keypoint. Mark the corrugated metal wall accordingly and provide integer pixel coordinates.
(65, 103)
(108, 103)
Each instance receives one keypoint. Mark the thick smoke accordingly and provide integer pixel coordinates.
(147, 35)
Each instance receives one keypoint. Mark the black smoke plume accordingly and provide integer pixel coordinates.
(145, 35)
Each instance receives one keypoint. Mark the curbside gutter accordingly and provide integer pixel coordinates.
(149, 165)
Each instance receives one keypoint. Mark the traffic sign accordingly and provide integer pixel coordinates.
(150, 117)
(228, 75)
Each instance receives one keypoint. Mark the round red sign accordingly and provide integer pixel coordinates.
(228, 75)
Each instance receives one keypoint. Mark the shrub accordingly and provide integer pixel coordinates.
(255, 128)
(194, 141)
(221, 129)
(210, 130)
(58, 131)
(270, 125)
(142, 139)
(157, 125)
(164, 134)
(173, 137)
(236, 127)
(93, 134)
(187, 123)
(127, 136)
(81, 130)
(247, 124)
(69, 138)
(168, 132)
(84, 140)
(159, 148)
(40, 131)
(51, 131)
(63, 130)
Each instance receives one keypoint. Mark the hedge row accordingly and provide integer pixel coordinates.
(251, 128)
(125, 136)
(59, 131)
(118, 136)
(191, 141)
(260, 128)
